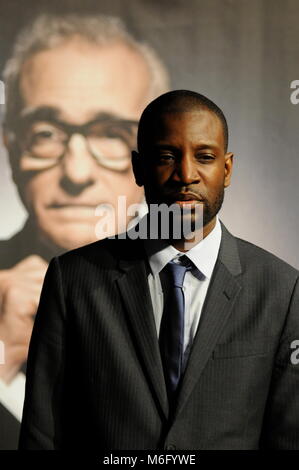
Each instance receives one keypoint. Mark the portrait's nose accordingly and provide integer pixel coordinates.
(78, 166)
(186, 169)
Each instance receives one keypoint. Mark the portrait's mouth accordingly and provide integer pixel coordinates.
(73, 212)
(71, 205)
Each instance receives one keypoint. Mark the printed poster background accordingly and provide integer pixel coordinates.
(243, 54)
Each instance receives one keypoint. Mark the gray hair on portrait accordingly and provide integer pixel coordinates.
(48, 31)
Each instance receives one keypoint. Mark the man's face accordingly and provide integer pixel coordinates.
(71, 85)
(186, 163)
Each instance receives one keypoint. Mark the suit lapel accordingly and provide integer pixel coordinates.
(135, 292)
(221, 295)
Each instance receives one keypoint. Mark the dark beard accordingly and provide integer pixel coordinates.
(210, 211)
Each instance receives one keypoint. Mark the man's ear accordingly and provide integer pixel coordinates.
(138, 168)
(229, 157)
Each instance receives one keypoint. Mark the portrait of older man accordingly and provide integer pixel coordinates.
(75, 88)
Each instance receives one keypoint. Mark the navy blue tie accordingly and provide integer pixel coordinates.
(171, 336)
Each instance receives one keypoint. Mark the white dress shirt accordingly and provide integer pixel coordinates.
(204, 256)
(12, 395)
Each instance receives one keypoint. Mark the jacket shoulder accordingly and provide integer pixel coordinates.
(104, 253)
(256, 257)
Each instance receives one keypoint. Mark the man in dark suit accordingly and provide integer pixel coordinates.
(125, 355)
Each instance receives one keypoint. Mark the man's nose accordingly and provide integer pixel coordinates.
(186, 169)
(78, 164)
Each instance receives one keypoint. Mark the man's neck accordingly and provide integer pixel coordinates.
(184, 244)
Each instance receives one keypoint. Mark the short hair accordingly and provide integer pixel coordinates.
(48, 31)
(177, 101)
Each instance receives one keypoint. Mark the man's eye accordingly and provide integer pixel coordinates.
(43, 132)
(45, 137)
(205, 157)
(166, 156)
(46, 134)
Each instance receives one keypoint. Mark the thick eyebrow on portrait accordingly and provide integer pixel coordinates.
(53, 114)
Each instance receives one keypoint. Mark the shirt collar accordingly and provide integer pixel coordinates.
(203, 255)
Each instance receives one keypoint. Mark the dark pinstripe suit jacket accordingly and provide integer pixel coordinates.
(95, 377)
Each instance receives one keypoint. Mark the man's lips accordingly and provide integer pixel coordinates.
(184, 198)
(190, 202)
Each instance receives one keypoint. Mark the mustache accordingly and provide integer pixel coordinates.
(181, 195)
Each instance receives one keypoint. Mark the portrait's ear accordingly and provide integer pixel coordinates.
(138, 168)
(228, 168)
(9, 139)
(5, 138)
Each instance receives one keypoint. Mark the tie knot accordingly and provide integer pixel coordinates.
(177, 271)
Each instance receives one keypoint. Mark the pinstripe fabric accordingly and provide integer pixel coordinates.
(95, 377)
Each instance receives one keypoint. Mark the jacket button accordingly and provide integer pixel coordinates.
(170, 447)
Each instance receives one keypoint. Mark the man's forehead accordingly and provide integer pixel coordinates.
(168, 120)
(52, 113)
(76, 82)
(199, 127)
(196, 113)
